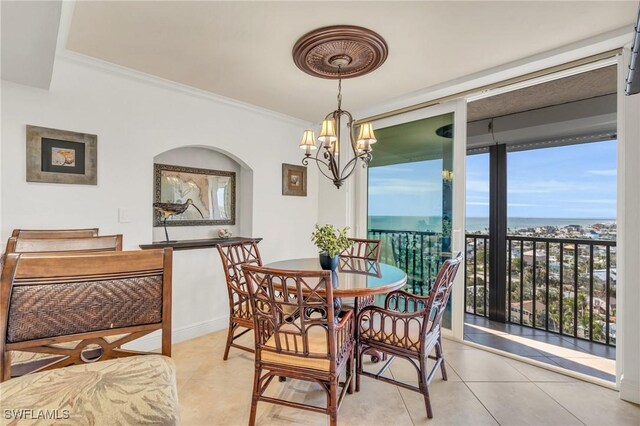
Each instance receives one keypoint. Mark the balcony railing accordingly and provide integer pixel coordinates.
(418, 253)
(564, 286)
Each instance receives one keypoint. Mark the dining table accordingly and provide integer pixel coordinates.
(354, 277)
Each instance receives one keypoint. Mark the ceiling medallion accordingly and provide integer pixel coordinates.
(357, 50)
(339, 52)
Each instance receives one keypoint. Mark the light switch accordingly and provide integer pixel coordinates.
(123, 215)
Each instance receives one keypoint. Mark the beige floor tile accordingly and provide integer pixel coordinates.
(521, 404)
(453, 345)
(481, 366)
(377, 403)
(539, 374)
(402, 370)
(238, 368)
(217, 392)
(592, 404)
(207, 402)
(296, 391)
(452, 403)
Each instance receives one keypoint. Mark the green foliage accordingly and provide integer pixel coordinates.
(330, 239)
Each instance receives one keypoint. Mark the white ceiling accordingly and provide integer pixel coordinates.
(242, 50)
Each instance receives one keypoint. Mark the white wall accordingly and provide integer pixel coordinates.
(136, 118)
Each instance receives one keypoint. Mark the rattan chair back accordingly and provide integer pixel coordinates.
(290, 308)
(441, 292)
(233, 256)
(48, 300)
(363, 249)
(55, 233)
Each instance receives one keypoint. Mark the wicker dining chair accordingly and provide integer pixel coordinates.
(233, 256)
(55, 233)
(408, 327)
(297, 336)
(363, 249)
(80, 307)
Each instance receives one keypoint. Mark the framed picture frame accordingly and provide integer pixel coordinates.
(212, 192)
(294, 180)
(61, 156)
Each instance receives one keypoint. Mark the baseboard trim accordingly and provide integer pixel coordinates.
(153, 341)
(630, 390)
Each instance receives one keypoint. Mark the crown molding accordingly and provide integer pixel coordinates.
(152, 80)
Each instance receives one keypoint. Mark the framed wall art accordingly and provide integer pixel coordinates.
(61, 156)
(212, 193)
(294, 180)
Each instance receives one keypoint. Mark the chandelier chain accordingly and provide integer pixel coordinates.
(339, 87)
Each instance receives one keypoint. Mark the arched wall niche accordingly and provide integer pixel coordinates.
(206, 157)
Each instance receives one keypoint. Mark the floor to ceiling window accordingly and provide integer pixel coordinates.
(410, 198)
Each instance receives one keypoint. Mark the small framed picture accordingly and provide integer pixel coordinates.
(61, 156)
(294, 180)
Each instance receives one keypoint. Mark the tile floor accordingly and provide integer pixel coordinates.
(483, 389)
(593, 359)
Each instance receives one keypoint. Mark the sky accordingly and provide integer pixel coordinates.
(577, 181)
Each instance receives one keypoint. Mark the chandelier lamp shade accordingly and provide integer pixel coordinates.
(335, 53)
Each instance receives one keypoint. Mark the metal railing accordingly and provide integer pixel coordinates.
(564, 286)
(418, 253)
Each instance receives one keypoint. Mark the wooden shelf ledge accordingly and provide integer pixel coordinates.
(196, 244)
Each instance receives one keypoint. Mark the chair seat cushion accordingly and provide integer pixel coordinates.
(123, 391)
(318, 346)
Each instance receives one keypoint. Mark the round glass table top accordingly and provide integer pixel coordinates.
(355, 277)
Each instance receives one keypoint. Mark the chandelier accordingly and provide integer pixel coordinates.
(339, 52)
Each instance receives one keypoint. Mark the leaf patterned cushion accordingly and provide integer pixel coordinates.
(138, 390)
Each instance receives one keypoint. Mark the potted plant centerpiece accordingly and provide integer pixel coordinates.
(331, 242)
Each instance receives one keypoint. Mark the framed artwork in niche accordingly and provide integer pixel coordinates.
(212, 192)
(294, 180)
(61, 156)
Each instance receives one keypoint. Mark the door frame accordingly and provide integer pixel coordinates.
(360, 219)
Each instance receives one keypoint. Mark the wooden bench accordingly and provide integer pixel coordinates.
(48, 301)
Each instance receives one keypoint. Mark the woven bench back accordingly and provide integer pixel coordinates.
(48, 299)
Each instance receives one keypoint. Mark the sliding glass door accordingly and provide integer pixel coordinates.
(412, 203)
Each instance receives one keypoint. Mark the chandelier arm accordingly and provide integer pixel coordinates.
(320, 168)
(352, 163)
(334, 166)
(330, 164)
(305, 160)
(365, 157)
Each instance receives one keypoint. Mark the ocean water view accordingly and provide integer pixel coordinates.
(474, 224)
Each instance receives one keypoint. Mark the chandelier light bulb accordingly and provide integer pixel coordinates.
(327, 133)
(308, 141)
(366, 135)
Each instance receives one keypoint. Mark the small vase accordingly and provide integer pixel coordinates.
(328, 263)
